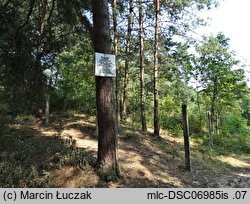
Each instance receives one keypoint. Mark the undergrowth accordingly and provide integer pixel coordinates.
(28, 164)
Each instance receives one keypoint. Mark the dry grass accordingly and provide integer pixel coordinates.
(145, 161)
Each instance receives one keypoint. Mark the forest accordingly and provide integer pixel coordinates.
(63, 125)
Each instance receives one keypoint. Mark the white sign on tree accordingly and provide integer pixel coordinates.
(105, 65)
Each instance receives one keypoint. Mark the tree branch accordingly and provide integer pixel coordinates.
(84, 20)
(32, 3)
(51, 11)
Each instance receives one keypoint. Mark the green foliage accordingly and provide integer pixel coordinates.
(236, 132)
(214, 69)
(221, 83)
(59, 58)
(245, 105)
(235, 125)
(76, 85)
(172, 123)
(28, 118)
(197, 123)
(74, 157)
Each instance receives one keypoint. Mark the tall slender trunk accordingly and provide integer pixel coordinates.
(156, 102)
(38, 76)
(107, 161)
(117, 82)
(213, 101)
(38, 82)
(209, 120)
(199, 109)
(47, 99)
(142, 69)
(217, 125)
(126, 77)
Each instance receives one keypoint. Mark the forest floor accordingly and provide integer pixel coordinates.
(64, 153)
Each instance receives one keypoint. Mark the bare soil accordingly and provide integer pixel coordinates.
(145, 161)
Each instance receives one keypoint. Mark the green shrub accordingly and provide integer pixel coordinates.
(172, 123)
(235, 133)
(28, 117)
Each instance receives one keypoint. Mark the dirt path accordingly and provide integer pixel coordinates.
(145, 161)
(238, 177)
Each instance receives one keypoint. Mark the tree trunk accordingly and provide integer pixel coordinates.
(47, 101)
(47, 109)
(209, 120)
(212, 110)
(199, 109)
(126, 77)
(39, 81)
(156, 102)
(142, 68)
(185, 125)
(217, 125)
(211, 113)
(213, 102)
(107, 161)
(117, 83)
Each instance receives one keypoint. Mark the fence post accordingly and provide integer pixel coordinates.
(186, 137)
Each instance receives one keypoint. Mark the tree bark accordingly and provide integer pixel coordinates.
(199, 109)
(217, 125)
(156, 102)
(38, 76)
(38, 82)
(185, 125)
(47, 109)
(209, 120)
(142, 69)
(126, 77)
(117, 80)
(107, 161)
(213, 102)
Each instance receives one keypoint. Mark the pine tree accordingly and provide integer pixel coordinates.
(126, 77)
(107, 162)
(142, 69)
(156, 102)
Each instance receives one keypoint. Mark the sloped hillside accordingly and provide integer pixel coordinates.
(64, 154)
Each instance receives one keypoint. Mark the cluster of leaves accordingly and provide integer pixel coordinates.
(76, 85)
(236, 133)
(33, 33)
(48, 43)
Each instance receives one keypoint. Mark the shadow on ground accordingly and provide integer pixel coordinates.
(31, 158)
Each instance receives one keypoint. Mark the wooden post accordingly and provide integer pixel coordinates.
(209, 122)
(186, 137)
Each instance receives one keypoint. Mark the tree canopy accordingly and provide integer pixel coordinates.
(47, 59)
